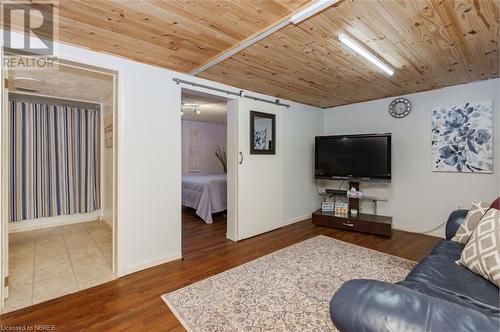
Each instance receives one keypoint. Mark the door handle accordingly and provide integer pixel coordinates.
(348, 224)
(241, 157)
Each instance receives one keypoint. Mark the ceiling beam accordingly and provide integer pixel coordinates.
(267, 31)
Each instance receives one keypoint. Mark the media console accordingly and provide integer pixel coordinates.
(366, 223)
(362, 222)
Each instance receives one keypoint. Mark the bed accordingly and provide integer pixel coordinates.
(206, 194)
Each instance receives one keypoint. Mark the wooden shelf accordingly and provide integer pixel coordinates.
(366, 223)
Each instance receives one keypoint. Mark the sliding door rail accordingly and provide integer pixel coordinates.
(241, 93)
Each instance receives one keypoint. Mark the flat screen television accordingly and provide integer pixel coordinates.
(353, 157)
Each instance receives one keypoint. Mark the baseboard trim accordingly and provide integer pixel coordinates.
(283, 224)
(152, 263)
(230, 237)
(108, 222)
(437, 232)
(297, 219)
(33, 224)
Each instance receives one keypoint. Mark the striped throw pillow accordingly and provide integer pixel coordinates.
(475, 214)
(481, 254)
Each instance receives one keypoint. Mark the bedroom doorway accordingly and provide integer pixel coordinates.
(59, 221)
(204, 170)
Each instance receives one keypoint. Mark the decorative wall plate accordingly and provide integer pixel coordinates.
(399, 108)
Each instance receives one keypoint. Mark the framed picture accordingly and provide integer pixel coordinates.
(462, 138)
(262, 133)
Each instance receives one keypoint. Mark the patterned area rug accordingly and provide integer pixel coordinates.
(288, 290)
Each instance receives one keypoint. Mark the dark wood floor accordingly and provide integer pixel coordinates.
(133, 302)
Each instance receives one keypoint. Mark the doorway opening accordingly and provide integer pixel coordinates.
(204, 171)
(58, 182)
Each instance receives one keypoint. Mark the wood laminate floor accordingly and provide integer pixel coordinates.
(133, 303)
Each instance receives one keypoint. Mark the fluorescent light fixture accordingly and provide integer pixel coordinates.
(26, 78)
(311, 10)
(365, 54)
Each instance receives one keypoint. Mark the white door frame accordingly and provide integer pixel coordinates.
(232, 157)
(4, 185)
(115, 257)
(117, 264)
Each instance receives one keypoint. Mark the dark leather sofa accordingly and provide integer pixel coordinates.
(437, 296)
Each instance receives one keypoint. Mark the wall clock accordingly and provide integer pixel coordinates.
(399, 108)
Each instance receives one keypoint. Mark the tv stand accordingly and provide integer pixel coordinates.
(366, 223)
(362, 222)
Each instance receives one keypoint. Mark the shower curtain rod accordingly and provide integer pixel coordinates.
(34, 97)
(241, 93)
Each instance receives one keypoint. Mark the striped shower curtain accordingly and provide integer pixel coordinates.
(54, 160)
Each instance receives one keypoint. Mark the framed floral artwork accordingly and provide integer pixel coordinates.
(462, 138)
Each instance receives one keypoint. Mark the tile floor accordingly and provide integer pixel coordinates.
(48, 263)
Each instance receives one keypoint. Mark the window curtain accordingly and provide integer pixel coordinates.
(54, 160)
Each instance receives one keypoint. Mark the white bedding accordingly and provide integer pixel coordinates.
(206, 194)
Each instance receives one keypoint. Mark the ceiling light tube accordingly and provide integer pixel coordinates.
(365, 54)
(26, 78)
(311, 10)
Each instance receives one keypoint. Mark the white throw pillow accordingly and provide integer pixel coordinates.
(481, 254)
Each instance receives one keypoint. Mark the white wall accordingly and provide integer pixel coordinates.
(300, 125)
(419, 198)
(211, 136)
(149, 198)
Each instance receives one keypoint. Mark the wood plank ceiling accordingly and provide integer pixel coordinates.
(176, 34)
(430, 43)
